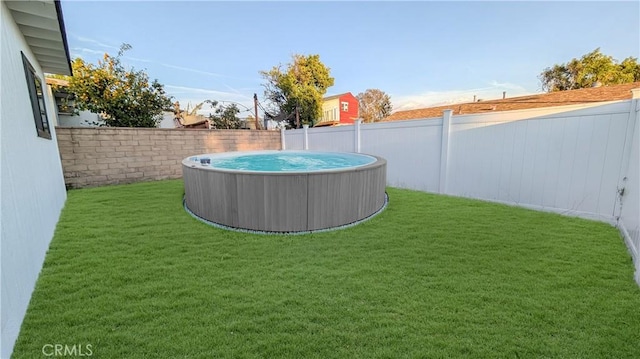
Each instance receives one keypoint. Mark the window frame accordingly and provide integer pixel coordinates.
(38, 103)
(345, 106)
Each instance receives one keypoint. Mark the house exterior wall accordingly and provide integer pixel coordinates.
(32, 185)
(167, 120)
(352, 112)
(84, 118)
(330, 111)
(333, 111)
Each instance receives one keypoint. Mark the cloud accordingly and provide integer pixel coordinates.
(506, 85)
(79, 51)
(212, 74)
(136, 59)
(100, 48)
(91, 51)
(445, 97)
(94, 42)
(196, 90)
(90, 47)
(201, 72)
(196, 95)
(191, 70)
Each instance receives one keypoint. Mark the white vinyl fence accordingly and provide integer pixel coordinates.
(580, 160)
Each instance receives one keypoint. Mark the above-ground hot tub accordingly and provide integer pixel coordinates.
(284, 191)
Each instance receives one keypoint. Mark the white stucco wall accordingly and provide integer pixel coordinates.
(82, 119)
(31, 181)
(167, 120)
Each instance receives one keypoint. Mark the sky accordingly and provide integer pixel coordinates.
(421, 53)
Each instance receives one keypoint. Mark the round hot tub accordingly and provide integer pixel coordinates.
(284, 191)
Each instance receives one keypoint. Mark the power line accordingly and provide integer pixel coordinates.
(246, 108)
(264, 110)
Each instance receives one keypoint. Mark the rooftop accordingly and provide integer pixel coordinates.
(559, 98)
(336, 96)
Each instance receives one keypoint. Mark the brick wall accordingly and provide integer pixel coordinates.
(100, 156)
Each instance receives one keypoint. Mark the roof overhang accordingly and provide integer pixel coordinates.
(42, 26)
(326, 123)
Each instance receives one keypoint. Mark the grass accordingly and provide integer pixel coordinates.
(132, 274)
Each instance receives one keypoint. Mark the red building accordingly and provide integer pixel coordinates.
(338, 110)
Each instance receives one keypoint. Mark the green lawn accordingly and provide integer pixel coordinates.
(132, 274)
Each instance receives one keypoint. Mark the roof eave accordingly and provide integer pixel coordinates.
(42, 26)
(63, 33)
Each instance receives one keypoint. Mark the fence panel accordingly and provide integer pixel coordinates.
(332, 139)
(411, 148)
(294, 139)
(564, 159)
(568, 162)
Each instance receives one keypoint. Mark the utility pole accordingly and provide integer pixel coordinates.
(255, 107)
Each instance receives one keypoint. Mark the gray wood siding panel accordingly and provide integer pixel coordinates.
(286, 205)
(340, 198)
(285, 202)
(271, 202)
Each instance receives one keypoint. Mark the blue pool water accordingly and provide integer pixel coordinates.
(282, 161)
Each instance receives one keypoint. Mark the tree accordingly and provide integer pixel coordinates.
(589, 69)
(224, 117)
(300, 86)
(374, 104)
(124, 98)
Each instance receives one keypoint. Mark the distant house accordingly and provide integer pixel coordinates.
(64, 105)
(559, 98)
(338, 110)
(67, 115)
(33, 190)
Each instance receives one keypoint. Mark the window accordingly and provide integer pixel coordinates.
(330, 115)
(345, 106)
(37, 99)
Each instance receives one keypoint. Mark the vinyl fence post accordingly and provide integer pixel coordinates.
(623, 177)
(356, 131)
(628, 144)
(635, 110)
(305, 128)
(444, 150)
(283, 142)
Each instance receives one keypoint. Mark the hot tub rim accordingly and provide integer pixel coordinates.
(378, 161)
